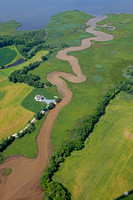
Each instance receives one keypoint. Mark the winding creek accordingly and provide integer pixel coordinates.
(23, 182)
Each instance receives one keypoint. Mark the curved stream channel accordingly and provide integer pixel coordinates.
(23, 182)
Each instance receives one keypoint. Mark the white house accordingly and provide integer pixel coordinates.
(39, 97)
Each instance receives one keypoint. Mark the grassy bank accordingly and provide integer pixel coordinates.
(26, 145)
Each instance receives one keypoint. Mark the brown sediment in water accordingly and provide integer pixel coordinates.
(23, 182)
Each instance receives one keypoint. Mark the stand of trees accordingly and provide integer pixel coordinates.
(22, 76)
(24, 41)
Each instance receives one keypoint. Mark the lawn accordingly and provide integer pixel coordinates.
(103, 169)
(31, 104)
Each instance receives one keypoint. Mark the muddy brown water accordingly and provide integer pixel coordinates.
(24, 181)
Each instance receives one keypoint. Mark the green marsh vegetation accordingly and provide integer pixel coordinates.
(9, 28)
(103, 65)
(111, 58)
(79, 19)
(8, 171)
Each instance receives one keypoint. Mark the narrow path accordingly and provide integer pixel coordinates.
(23, 182)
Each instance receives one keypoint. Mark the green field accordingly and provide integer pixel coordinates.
(6, 55)
(9, 55)
(13, 117)
(103, 169)
(26, 145)
(31, 104)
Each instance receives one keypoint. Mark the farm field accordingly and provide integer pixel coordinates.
(13, 117)
(103, 169)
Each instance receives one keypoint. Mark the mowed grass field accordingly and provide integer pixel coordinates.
(103, 169)
(13, 117)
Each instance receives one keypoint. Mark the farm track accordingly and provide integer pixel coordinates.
(23, 182)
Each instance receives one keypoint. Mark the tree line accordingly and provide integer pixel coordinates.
(81, 133)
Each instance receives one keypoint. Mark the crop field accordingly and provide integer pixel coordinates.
(13, 117)
(105, 164)
(31, 104)
(9, 28)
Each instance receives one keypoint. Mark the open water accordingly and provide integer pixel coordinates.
(35, 14)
